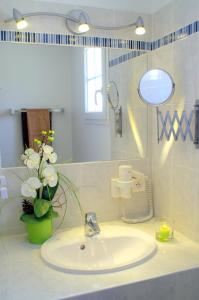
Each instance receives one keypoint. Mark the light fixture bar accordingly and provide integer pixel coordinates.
(81, 19)
(114, 27)
(49, 14)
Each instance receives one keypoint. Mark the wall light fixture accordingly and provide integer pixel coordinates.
(77, 22)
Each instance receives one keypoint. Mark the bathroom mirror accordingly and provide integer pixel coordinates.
(65, 80)
(156, 87)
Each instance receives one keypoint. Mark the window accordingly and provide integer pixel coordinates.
(95, 70)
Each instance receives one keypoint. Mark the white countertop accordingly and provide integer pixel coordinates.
(24, 275)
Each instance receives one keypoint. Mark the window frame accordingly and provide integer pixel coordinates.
(96, 116)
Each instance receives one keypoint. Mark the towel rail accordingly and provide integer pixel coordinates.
(53, 110)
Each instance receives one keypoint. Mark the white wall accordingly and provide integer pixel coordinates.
(173, 16)
(98, 16)
(34, 77)
(93, 182)
(176, 164)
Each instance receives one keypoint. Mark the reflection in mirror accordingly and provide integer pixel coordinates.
(67, 87)
(126, 73)
(156, 87)
(114, 101)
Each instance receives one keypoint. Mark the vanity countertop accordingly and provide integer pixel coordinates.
(24, 275)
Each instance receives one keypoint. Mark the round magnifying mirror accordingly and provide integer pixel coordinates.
(156, 86)
(113, 95)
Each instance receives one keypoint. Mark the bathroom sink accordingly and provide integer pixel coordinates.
(117, 247)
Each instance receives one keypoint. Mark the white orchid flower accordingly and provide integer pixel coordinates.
(29, 188)
(47, 149)
(26, 155)
(49, 154)
(53, 158)
(50, 176)
(31, 159)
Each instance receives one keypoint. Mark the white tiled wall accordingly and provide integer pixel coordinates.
(93, 182)
(173, 16)
(176, 164)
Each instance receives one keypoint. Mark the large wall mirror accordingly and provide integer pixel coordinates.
(73, 79)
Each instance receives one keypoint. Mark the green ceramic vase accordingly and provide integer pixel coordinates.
(39, 232)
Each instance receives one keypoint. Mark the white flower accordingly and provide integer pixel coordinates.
(50, 176)
(29, 151)
(29, 187)
(49, 154)
(26, 155)
(31, 159)
(53, 158)
(47, 149)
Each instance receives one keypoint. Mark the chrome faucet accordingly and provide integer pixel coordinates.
(91, 225)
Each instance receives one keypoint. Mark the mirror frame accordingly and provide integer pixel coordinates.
(171, 94)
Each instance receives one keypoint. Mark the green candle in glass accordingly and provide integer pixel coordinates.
(164, 230)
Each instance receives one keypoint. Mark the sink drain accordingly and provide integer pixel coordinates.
(82, 247)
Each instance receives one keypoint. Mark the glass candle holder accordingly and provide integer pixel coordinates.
(164, 229)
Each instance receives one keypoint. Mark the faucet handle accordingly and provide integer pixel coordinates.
(90, 217)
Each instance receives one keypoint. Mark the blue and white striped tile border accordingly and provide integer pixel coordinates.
(179, 34)
(71, 40)
(125, 57)
(138, 47)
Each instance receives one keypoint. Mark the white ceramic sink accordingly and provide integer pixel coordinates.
(117, 247)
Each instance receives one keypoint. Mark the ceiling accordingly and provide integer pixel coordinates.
(142, 6)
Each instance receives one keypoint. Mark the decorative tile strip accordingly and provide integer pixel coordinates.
(179, 34)
(71, 40)
(125, 57)
(139, 47)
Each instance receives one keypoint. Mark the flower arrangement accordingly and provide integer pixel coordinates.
(40, 188)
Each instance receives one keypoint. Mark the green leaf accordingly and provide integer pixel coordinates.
(52, 214)
(32, 219)
(41, 207)
(49, 192)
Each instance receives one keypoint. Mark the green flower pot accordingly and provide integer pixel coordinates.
(39, 232)
(39, 229)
